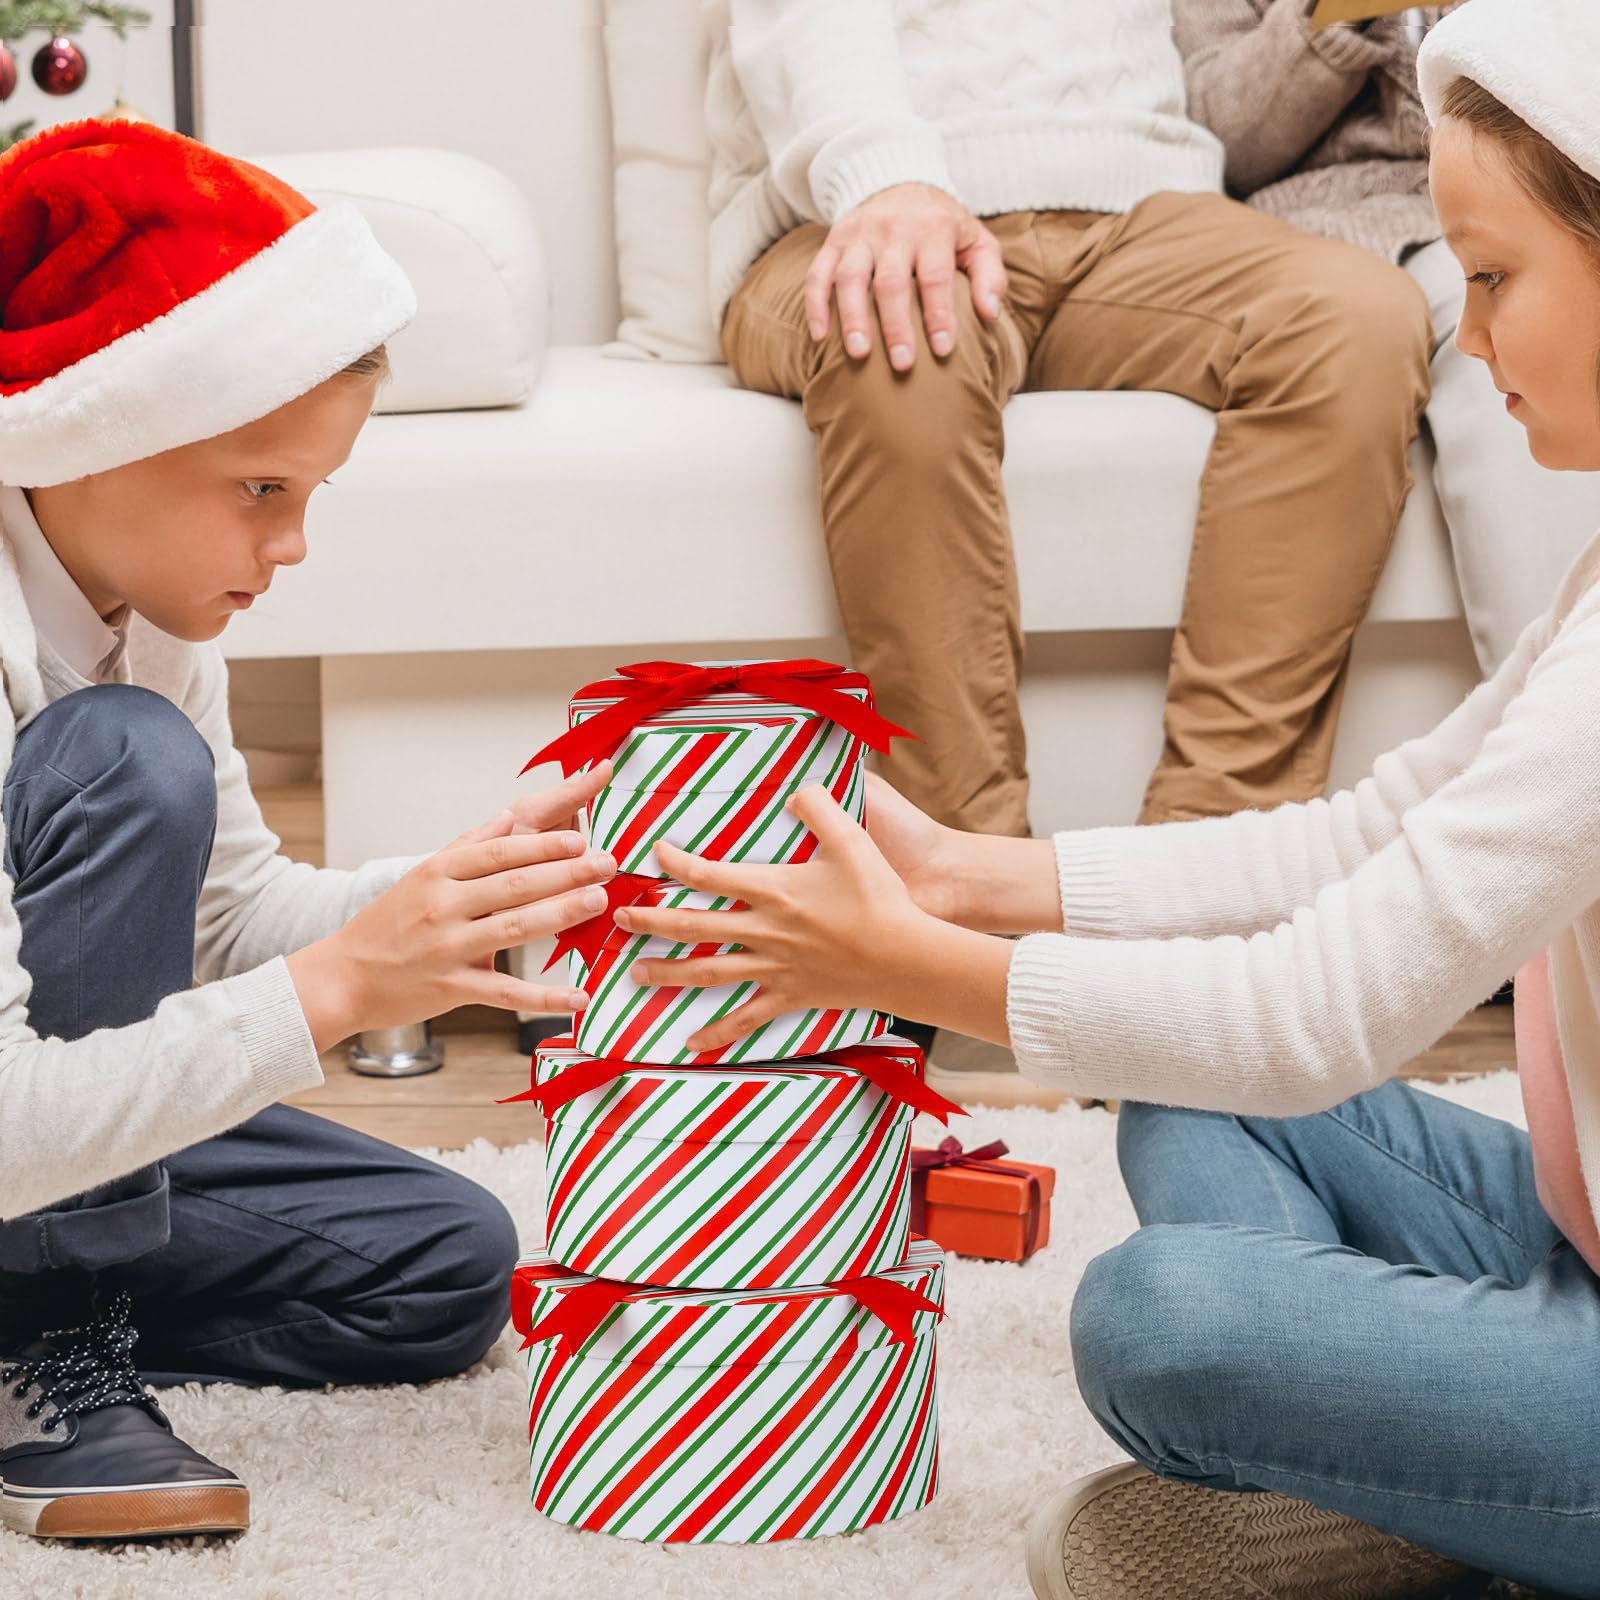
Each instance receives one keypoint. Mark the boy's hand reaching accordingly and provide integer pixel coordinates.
(429, 943)
(839, 930)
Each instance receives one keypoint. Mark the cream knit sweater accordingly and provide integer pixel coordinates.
(1010, 105)
(79, 1113)
(1278, 962)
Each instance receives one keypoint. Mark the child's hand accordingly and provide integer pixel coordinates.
(558, 808)
(834, 931)
(429, 943)
(924, 852)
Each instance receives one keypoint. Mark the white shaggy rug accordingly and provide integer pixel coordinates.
(422, 1492)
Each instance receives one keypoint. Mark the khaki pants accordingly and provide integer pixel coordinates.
(1313, 355)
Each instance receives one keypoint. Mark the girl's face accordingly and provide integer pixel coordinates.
(189, 537)
(1533, 297)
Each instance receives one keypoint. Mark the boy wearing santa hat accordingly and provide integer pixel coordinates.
(187, 349)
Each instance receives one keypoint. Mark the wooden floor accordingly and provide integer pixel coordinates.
(456, 1105)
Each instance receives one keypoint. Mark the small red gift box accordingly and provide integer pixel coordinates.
(975, 1204)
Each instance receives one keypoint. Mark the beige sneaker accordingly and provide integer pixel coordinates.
(1126, 1534)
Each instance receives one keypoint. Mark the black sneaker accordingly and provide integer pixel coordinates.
(87, 1453)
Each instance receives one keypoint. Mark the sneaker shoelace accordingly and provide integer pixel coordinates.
(88, 1368)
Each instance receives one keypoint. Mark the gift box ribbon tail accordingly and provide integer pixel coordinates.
(589, 936)
(898, 1082)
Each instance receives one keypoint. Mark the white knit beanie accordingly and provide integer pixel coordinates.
(1540, 58)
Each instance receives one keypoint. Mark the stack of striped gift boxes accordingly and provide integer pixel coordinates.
(730, 1334)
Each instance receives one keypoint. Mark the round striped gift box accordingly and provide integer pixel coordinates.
(700, 1416)
(626, 1021)
(712, 776)
(723, 1178)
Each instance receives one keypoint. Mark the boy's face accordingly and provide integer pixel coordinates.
(189, 537)
(1532, 313)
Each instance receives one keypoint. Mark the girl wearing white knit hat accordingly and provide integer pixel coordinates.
(1359, 1352)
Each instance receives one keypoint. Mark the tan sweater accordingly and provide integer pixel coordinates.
(1325, 129)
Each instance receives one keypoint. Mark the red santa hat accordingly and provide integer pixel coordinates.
(154, 292)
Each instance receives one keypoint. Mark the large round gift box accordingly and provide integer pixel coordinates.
(736, 1416)
(758, 1176)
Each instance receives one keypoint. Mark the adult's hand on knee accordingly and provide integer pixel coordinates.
(429, 943)
(908, 234)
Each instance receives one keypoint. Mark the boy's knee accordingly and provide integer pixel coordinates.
(127, 734)
(457, 1298)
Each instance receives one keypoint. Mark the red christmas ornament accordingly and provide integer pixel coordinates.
(60, 67)
(8, 73)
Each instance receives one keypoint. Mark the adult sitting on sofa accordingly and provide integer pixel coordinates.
(856, 145)
(1326, 128)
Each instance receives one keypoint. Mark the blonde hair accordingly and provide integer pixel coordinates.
(374, 364)
(1552, 179)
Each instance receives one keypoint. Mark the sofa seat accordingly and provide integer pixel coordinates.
(628, 502)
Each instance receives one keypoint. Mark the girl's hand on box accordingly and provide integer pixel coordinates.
(840, 930)
(923, 852)
(989, 882)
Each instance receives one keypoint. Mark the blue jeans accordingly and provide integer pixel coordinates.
(288, 1249)
(1367, 1309)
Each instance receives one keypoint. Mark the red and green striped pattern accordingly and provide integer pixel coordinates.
(700, 1417)
(625, 1021)
(717, 786)
(720, 1178)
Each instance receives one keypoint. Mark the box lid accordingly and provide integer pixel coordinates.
(986, 1190)
(759, 1103)
(727, 1327)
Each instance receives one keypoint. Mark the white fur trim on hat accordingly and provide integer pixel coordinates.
(295, 313)
(1541, 58)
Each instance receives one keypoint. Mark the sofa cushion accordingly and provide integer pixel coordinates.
(465, 236)
(660, 505)
(656, 53)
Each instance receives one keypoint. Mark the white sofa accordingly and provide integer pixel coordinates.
(470, 567)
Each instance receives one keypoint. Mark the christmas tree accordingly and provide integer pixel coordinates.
(59, 66)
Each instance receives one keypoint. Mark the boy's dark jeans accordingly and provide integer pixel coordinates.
(288, 1249)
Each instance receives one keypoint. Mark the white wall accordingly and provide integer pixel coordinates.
(532, 73)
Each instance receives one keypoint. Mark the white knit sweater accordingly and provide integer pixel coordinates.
(78, 1113)
(1010, 105)
(1278, 962)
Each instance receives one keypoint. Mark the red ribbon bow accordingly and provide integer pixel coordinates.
(580, 1313)
(655, 686)
(950, 1154)
(898, 1082)
(589, 937)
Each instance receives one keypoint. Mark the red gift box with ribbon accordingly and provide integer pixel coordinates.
(974, 1203)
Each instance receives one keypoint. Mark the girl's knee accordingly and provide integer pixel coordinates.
(1154, 1324)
